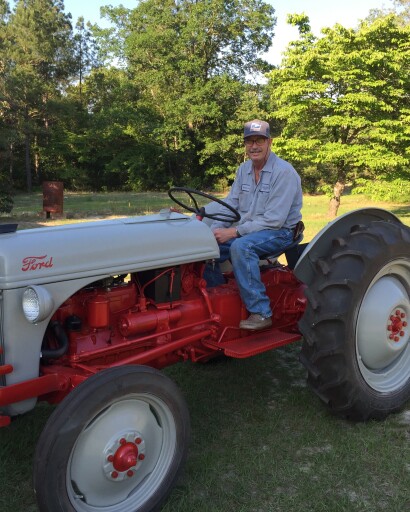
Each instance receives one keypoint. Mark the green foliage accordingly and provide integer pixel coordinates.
(343, 102)
(167, 107)
(85, 53)
(191, 65)
(396, 191)
(301, 21)
(35, 68)
(6, 198)
(402, 9)
(6, 202)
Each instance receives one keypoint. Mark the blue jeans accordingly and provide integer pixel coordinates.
(244, 254)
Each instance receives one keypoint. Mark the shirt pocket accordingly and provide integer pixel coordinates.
(245, 198)
(262, 199)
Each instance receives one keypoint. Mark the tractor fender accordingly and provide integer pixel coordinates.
(319, 246)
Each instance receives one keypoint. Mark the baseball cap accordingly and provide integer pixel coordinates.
(257, 127)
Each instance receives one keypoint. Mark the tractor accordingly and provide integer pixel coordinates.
(91, 312)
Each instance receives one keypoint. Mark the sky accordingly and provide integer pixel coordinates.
(322, 13)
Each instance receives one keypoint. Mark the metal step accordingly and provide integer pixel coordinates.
(255, 343)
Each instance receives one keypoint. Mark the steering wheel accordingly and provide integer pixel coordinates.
(231, 216)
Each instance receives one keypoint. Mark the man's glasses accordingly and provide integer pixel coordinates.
(259, 141)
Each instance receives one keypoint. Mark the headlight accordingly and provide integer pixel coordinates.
(37, 304)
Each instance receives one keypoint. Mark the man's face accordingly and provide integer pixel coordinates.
(257, 148)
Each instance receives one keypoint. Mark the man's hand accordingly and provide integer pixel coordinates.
(222, 235)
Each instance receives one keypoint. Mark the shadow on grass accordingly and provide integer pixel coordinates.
(402, 211)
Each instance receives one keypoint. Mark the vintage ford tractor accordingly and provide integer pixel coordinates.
(90, 313)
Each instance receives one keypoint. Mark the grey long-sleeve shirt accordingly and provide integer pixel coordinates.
(273, 203)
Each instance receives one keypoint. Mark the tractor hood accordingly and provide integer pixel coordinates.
(101, 248)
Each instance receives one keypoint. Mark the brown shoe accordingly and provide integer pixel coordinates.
(255, 322)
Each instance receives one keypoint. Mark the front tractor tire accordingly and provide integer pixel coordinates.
(116, 443)
(356, 326)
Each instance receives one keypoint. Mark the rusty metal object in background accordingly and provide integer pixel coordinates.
(53, 197)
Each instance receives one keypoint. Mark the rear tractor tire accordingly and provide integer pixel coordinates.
(356, 326)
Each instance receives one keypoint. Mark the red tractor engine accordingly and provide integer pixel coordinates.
(161, 317)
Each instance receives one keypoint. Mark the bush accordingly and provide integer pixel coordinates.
(6, 198)
(6, 203)
(395, 191)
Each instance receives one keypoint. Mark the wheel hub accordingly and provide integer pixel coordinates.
(124, 456)
(396, 327)
(382, 331)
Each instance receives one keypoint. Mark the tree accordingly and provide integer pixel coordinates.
(341, 103)
(85, 53)
(191, 62)
(110, 144)
(38, 63)
(402, 9)
(6, 131)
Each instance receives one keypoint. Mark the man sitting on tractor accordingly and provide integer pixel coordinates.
(268, 195)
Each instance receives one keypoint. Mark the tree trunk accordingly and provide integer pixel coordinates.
(37, 160)
(28, 163)
(27, 150)
(11, 148)
(335, 201)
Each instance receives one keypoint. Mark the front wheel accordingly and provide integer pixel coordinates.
(356, 326)
(116, 443)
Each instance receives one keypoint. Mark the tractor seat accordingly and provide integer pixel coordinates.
(292, 253)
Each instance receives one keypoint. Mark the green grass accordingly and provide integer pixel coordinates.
(261, 440)
(315, 210)
(79, 206)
